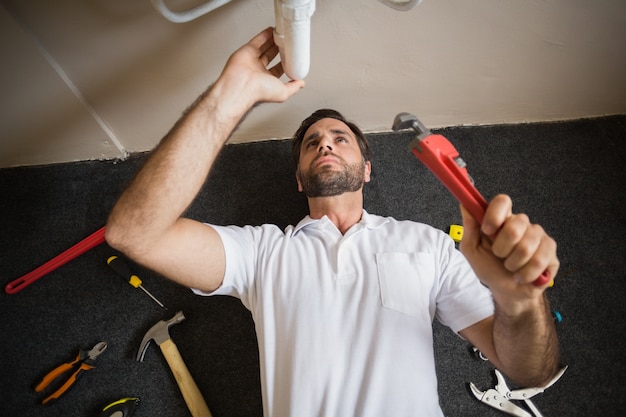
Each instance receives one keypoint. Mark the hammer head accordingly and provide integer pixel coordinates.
(159, 332)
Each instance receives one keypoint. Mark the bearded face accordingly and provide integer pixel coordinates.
(331, 162)
(329, 181)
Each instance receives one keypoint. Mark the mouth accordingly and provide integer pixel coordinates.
(325, 159)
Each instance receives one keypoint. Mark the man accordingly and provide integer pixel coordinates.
(343, 302)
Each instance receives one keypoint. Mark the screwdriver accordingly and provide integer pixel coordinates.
(122, 269)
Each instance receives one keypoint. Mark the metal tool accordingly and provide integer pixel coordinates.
(124, 407)
(83, 362)
(64, 257)
(160, 333)
(443, 160)
(123, 270)
(501, 396)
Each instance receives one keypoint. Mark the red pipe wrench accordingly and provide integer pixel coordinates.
(443, 160)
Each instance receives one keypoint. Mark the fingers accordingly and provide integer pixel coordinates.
(516, 232)
(268, 52)
(247, 71)
(523, 250)
(262, 38)
(518, 243)
(544, 258)
(498, 211)
(263, 42)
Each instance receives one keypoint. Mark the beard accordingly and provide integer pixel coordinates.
(329, 183)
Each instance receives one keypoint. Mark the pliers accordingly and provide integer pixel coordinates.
(83, 362)
(443, 160)
(501, 396)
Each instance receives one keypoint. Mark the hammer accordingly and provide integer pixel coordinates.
(161, 335)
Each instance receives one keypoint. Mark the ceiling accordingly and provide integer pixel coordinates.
(101, 79)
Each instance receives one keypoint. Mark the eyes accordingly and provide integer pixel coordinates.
(314, 143)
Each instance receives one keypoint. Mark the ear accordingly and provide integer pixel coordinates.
(368, 171)
(298, 181)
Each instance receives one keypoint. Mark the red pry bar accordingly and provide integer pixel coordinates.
(78, 249)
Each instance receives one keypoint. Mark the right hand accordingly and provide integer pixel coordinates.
(248, 78)
(510, 262)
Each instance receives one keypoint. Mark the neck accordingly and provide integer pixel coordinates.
(343, 210)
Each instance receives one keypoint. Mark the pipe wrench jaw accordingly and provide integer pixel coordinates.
(404, 121)
(441, 157)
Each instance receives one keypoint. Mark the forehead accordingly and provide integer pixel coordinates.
(327, 124)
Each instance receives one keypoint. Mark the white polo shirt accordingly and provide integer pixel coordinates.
(344, 322)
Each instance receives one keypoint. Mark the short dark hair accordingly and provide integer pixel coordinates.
(325, 114)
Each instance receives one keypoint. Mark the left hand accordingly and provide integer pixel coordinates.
(508, 252)
(247, 77)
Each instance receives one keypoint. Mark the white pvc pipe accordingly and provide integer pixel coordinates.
(292, 32)
(187, 15)
(292, 35)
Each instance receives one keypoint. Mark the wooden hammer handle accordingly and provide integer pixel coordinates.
(187, 386)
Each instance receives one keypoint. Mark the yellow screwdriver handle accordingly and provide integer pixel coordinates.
(123, 270)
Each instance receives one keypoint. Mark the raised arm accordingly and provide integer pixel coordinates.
(520, 339)
(146, 223)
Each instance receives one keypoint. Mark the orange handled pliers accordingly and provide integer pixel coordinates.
(83, 362)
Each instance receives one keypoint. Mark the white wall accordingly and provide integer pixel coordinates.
(99, 80)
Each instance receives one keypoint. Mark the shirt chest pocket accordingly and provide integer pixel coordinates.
(405, 281)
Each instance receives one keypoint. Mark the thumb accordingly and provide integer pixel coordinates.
(471, 229)
(293, 86)
(477, 248)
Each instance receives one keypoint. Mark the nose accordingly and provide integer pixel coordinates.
(325, 144)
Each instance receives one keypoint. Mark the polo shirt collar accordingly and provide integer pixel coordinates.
(369, 221)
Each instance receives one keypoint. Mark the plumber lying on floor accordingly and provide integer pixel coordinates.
(344, 301)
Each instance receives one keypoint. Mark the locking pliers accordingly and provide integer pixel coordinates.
(501, 397)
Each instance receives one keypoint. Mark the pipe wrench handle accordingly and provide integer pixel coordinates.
(442, 159)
